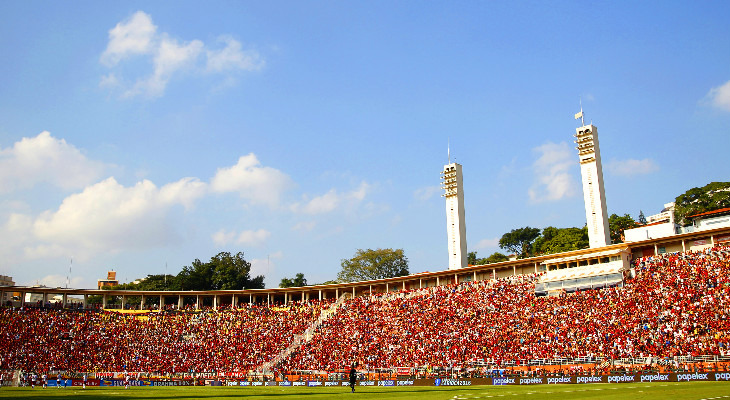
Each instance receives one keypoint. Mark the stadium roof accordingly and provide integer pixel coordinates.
(718, 211)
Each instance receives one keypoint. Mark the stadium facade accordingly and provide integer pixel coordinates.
(569, 271)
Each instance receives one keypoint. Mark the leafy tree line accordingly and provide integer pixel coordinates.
(297, 281)
(365, 265)
(472, 259)
(528, 241)
(224, 271)
(713, 196)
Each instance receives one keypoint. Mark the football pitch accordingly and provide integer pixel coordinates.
(692, 390)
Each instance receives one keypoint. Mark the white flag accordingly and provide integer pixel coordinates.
(579, 115)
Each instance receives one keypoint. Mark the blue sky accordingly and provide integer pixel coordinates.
(135, 135)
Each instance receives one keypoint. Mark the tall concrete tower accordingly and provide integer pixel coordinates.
(594, 194)
(455, 223)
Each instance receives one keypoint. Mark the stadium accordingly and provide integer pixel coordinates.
(668, 323)
(137, 135)
(644, 311)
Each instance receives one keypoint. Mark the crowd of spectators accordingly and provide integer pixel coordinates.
(676, 305)
(230, 340)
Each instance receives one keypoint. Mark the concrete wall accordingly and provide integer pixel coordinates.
(649, 232)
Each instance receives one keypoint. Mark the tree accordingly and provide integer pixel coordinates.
(373, 264)
(617, 225)
(471, 258)
(642, 218)
(710, 197)
(297, 281)
(519, 241)
(495, 258)
(196, 276)
(557, 240)
(223, 272)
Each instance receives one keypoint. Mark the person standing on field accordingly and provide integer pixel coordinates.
(353, 378)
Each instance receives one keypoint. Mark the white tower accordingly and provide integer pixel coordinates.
(594, 194)
(455, 223)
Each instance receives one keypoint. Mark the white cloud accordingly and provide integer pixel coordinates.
(552, 177)
(232, 57)
(320, 204)
(245, 238)
(109, 81)
(719, 97)
(256, 183)
(60, 281)
(185, 191)
(130, 37)
(331, 200)
(426, 193)
(487, 244)
(109, 217)
(46, 159)
(632, 167)
(171, 57)
(139, 36)
(304, 226)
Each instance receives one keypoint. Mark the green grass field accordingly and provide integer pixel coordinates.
(694, 391)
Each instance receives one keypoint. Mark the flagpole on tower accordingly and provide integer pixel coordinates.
(448, 149)
(580, 114)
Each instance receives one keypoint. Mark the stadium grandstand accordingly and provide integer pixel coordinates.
(660, 310)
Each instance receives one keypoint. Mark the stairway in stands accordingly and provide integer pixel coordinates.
(304, 337)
